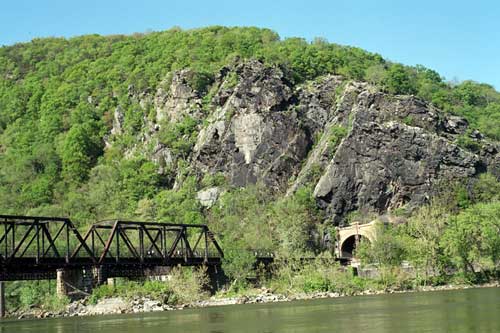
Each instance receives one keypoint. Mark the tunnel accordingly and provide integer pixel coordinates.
(349, 245)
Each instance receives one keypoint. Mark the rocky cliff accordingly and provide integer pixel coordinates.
(358, 147)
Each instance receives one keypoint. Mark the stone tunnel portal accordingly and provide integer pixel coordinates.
(348, 247)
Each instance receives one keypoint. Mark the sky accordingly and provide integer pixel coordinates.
(459, 39)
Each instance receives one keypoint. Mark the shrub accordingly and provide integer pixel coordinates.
(466, 142)
(183, 286)
(337, 133)
(179, 136)
(188, 285)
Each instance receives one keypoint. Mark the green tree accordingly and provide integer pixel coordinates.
(79, 151)
(296, 218)
(486, 188)
(473, 235)
(422, 234)
(180, 206)
(376, 74)
(388, 249)
(399, 80)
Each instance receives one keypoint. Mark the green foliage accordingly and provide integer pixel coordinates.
(57, 98)
(317, 276)
(465, 141)
(486, 189)
(130, 289)
(399, 80)
(487, 119)
(409, 120)
(438, 237)
(252, 218)
(376, 74)
(315, 282)
(231, 80)
(216, 179)
(55, 303)
(462, 196)
(422, 238)
(474, 234)
(79, 151)
(183, 286)
(241, 217)
(337, 133)
(180, 136)
(388, 249)
(238, 263)
(27, 294)
(295, 219)
(180, 206)
(200, 81)
(188, 285)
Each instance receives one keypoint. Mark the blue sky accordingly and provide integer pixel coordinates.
(460, 39)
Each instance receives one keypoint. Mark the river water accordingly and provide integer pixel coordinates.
(471, 310)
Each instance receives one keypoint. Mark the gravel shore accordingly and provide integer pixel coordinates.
(118, 305)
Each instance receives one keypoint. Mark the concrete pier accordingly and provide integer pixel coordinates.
(111, 282)
(76, 283)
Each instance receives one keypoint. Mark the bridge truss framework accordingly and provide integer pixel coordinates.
(36, 247)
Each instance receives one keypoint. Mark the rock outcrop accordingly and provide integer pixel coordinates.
(256, 125)
(252, 135)
(208, 197)
(399, 148)
(176, 98)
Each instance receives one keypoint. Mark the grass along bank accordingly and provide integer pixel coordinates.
(187, 287)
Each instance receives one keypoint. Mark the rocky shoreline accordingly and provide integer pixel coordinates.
(118, 305)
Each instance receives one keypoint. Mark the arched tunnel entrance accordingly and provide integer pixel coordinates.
(348, 247)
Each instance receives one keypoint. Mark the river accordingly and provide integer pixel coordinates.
(471, 310)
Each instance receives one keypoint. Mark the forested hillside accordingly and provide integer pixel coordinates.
(57, 98)
(271, 141)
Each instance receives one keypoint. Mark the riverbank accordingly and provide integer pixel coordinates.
(121, 305)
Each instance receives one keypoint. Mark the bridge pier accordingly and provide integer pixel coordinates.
(111, 281)
(99, 275)
(75, 283)
(216, 277)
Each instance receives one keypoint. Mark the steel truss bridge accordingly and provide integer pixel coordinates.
(34, 247)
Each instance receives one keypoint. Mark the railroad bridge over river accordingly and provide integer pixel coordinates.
(35, 248)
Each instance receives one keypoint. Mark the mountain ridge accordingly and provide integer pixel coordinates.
(138, 125)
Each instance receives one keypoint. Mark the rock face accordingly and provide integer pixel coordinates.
(255, 125)
(178, 99)
(118, 120)
(252, 135)
(395, 154)
(385, 166)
